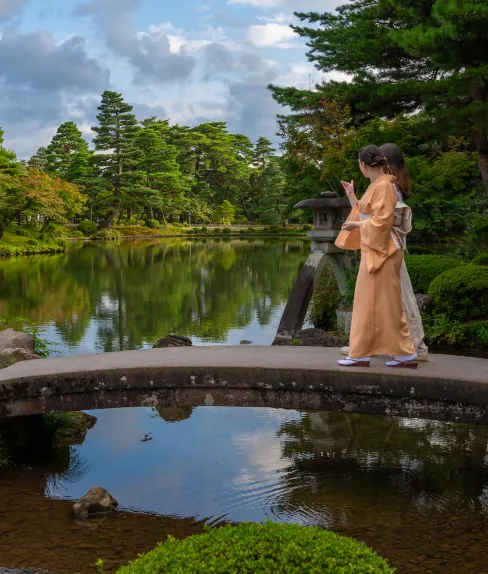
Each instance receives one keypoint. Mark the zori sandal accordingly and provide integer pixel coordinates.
(363, 362)
(404, 362)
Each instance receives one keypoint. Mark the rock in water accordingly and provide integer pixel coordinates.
(319, 338)
(173, 341)
(16, 346)
(97, 500)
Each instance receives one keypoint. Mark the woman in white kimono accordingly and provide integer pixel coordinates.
(402, 226)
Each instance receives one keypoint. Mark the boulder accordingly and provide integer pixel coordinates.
(319, 338)
(96, 501)
(422, 301)
(16, 346)
(173, 341)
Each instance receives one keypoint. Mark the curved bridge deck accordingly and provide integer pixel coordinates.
(447, 388)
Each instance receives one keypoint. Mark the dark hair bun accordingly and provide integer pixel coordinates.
(372, 156)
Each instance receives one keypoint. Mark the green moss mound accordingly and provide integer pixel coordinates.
(261, 548)
(423, 269)
(461, 293)
(325, 301)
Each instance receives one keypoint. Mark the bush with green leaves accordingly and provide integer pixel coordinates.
(108, 234)
(325, 301)
(87, 227)
(77, 234)
(461, 294)
(152, 223)
(226, 231)
(261, 549)
(423, 269)
(475, 239)
(481, 259)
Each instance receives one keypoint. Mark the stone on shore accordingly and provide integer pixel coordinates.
(96, 501)
(16, 346)
(173, 341)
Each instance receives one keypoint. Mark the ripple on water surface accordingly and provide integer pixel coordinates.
(416, 491)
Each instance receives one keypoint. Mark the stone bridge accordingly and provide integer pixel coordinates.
(447, 388)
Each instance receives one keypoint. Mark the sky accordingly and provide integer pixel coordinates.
(188, 61)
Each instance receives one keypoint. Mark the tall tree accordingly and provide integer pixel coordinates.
(66, 145)
(9, 165)
(162, 189)
(39, 159)
(118, 156)
(405, 56)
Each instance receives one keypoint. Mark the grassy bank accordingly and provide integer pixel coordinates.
(12, 244)
(30, 242)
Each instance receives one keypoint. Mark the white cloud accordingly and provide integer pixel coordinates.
(306, 5)
(272, 34)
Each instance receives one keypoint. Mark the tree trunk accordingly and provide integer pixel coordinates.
(483, 165)
(109, 219)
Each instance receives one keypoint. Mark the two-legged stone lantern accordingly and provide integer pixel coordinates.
(330, 212)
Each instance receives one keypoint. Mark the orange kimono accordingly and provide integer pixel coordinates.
(379, 325)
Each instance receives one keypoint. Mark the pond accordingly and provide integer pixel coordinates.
(415, 490)
(99, 298)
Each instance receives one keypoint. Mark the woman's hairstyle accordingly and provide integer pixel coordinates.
(398, 167)
(372, 156)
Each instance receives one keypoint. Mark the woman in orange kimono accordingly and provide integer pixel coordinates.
(379, 325)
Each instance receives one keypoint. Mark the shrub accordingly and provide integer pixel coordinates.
(76, 234)
(423, 269)
(204, 229)
(261, 548)
(325, 301)
(108, 234)
(32, 243)
(152, 223)
(417, 250)
(462, 293)
(441, 330)
(87, 227)
(227, 231)
(475, 239)
(307, 227)
(22, 232)
(481, 259)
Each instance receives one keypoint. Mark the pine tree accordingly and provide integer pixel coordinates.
(9, 165)
(118, 155)
(405, 56)
(162, 189)
(39, 159)
(66, 144)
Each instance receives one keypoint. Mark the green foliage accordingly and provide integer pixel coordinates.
(481, 259)
(423, 269)
(347, 294)
(325, 301)
(225, 213)
(87, 227)
(108, 234)
(475, 239)
(15, 245)
(77, 234)
(64, 148)
(42, 346)
(61, 425)
(461, 294)
(442, 330)
(5, 460)
(418, 250)
(152, 223)
(226, 231)
(263, 548)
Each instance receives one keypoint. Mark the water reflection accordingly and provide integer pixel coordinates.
(102, 297)
(416, 490)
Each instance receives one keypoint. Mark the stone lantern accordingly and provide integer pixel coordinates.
(329, 213)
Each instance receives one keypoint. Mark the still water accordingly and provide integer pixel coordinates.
(416, 491)
(99, 298)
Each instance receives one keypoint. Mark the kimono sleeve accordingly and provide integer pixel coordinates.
(350, 240)
(376, 231)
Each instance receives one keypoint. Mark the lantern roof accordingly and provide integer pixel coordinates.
(326, 199)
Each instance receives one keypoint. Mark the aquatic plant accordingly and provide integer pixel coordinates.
(260, 548)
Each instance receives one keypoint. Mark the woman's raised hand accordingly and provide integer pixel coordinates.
(348, 187)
